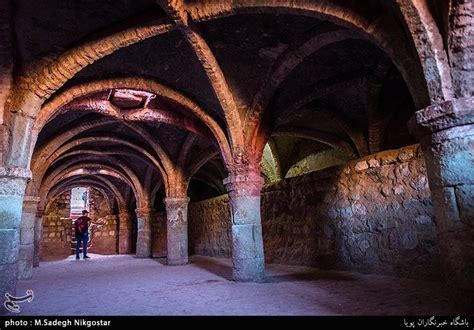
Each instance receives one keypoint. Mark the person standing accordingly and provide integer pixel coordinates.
(81, 228)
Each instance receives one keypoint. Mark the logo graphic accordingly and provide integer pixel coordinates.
(11, 301)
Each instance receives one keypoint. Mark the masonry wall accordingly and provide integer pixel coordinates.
(58, 232)
(373, 215)
(57, 227)
(159, 234)
(104, 230)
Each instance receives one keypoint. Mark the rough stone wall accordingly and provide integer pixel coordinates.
(210, 227)
(373, 215)
(104, 232)
(58, 228)
(159, 234)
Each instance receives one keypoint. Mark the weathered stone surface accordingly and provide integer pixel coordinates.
(12, 188)
(8, 280)
(362, 226)
(177, 230)
(160, 235)
(248, 270)
(447, 138)
(210, 227)
(144, 233)
(247, 241)
(38, 235)
(124, 233)
(57, 227)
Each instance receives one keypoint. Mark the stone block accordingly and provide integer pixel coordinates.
(398, 190)
(247, 241)
(25, 269)
(27, 235)
(447, 213)
(361, 166)
(465, 202)
(423, 220)
(25, 252)
(406, 154)
(409, 240)
(8, 279)
(373, 163)
(248, 270)
(10, 211)
(9, 245)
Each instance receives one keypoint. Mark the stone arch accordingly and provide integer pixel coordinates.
(428, 43)
(287, 62)
(61, 188)
(271, 170)
(355, 135)
(105, 185)
(376, 28)
(141, 84)
(322, 137)
(66, 171)
(74, 143)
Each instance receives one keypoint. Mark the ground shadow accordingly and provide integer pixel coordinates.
(310, 277)
(213, 266)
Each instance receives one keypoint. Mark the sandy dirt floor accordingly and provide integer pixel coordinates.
(125, 285)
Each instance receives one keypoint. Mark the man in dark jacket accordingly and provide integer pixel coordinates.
(81, 228)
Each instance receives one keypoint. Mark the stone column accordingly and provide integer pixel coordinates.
(26, 254)
(124, 233)
(177, 230)
(38, 239)
(446, 132)
(144, 234)
(247, 242)
(12, 189)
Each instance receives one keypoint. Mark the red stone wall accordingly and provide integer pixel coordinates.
(373, 215)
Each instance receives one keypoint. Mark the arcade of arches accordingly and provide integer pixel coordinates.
(323, 133)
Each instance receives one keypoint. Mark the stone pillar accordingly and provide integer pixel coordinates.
(38, 239)
(12, 189)
(446, 132)
(144, 234)
(247, 242)
(27, 233)
(125, 234)
(177, 230)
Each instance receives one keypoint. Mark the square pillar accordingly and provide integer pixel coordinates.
(247, 241)
(12, 190)
(38, 236)
(125, 234)
(177, 230)
(27, 233)
(446, 133)
(144, 234)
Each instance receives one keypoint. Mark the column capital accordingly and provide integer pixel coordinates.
(442, 116)
(173, 202)
(13, 180)
(249, 184)
(15, 172)
(144, 212)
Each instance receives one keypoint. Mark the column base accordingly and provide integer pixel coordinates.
(25, 269)
(177, 262)
(248, 270)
